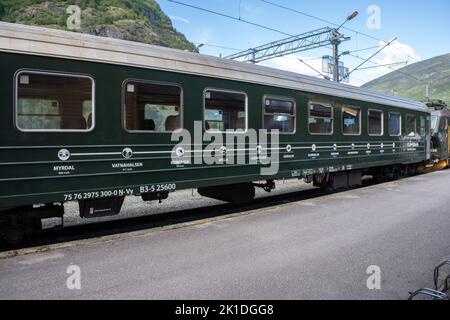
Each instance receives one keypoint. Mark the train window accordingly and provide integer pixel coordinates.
(224, 110)
(351, 121)
(320, 118)
(279, 114)
(152, 107)
(434, 122)
(411, 125)
(422, 126)
(375, 122)
(54, 102)
(444, 124)
(395, 124)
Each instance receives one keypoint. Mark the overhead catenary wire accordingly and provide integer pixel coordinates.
(368, 59)
(217, 46)
(335, 24)
(229, 17)
(285, 33)
(244, 21)
(315, 70)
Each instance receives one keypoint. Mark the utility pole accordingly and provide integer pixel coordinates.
(335, 42)
(294, 44)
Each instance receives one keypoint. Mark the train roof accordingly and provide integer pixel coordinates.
(40, 41)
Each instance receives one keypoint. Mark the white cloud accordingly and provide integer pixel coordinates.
(397, 52)
(394, 53)
(176, 18)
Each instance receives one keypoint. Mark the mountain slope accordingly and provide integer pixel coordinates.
(435, 71)
(135, 20)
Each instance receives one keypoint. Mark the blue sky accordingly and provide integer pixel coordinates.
(422, 29)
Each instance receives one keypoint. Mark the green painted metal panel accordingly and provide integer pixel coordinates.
(31, 172)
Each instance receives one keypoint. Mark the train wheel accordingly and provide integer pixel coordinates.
(33, 227)
(18, 231)
(412, 170)
(14, 235)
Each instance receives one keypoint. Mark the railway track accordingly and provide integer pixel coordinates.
(163, 221)
(111, 229)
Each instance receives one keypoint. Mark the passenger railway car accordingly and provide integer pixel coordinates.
(90, 119)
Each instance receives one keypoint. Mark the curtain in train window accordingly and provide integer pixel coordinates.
(152, 107)
(351, 120)
(411, 126)
(375, 122)
(395, 124)
(279, 114)
(320, 118)
(54, 102)
(225, 110)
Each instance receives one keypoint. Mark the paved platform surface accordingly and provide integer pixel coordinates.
(318, 248)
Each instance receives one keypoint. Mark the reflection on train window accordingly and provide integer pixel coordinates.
(225, 110)
(54, 102)
(410, 126)
(152, 107)
(395, 124)
(320, 118)
(422, 126)
(375, 122)
(351, 121)
(279, 114)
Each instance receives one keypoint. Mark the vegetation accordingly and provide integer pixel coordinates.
(435, 71)
(135, 20)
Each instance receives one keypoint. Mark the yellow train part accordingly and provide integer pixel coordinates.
(441, 165)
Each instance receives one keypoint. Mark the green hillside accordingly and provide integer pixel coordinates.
(135, 20)
(435, 71)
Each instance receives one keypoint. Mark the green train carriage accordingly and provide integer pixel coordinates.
(90, 119)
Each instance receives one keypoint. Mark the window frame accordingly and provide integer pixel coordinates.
(280, 98)
(400, 131)
(415, 123)
(171, 84)
(360, 121)
(382, 123)
(225, 91)
(332, 118)
(52, 73)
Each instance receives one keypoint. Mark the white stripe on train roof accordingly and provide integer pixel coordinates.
(71, 45)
